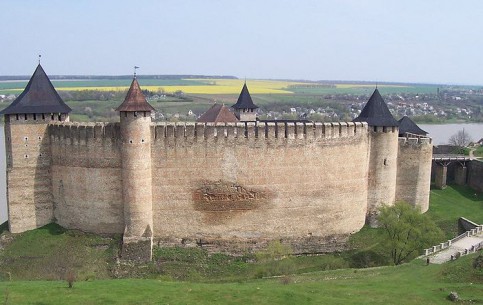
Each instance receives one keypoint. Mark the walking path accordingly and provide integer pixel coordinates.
(465, 244)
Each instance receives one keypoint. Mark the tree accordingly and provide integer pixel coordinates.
(460, 139)
(408, 231)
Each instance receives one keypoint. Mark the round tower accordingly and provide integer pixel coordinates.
(383, 150)
(135, 114)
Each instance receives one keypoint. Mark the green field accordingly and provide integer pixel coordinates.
(408, 284)
(191, 275)
(105, 83)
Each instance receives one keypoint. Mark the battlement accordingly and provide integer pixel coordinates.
(36, 118)
(413, 139)
(384, 129)
(258, 130)
(82, 132)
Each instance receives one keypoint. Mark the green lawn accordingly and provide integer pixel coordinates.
(51, 251)
(478, 152)
(412, 283)
(446, 206)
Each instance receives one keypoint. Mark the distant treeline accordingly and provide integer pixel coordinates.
(114, 77)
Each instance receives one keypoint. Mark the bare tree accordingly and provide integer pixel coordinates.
(460, 139)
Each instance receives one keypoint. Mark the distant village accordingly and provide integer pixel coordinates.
(450, 104)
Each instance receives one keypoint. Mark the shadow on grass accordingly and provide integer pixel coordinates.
(4, 227)
(53, 229)
(464, 191)
(468, 192)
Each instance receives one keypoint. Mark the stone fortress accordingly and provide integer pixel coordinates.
(231, 186)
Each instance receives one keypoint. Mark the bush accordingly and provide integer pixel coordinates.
(70, 277)
(478, 262)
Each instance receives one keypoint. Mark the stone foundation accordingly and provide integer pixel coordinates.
(137, 249)
(238, 247)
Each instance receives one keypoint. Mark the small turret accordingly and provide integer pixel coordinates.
(407, 126)
(135, 113)
(383, 151)
(245, 109)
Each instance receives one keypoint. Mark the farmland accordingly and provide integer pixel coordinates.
(174, 97)
(219, 86)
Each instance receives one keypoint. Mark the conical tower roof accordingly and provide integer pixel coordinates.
(135, 100)
(218, 114)
(376, 113)
(39, 96)
(407, 125)
(244, 100)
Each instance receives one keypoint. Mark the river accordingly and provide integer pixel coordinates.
(439, 133)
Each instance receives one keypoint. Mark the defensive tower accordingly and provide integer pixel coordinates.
(28, 153)
(135, 113)
(383, 149)
(414, 165)
(245, 109)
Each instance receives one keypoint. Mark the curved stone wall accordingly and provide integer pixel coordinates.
(265, 181)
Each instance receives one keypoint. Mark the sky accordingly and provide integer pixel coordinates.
(432, 41)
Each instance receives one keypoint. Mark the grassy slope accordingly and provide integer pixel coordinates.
(49, 252)
(447, 205)
(412, 283)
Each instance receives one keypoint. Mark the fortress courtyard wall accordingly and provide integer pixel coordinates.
(264, 181)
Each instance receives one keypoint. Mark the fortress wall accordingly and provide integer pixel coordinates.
(475, 175)
(414, 171)
(86, 176)
(382, 169)
(28, 175)
(259, 181)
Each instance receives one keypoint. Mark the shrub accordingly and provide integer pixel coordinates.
(70, 278)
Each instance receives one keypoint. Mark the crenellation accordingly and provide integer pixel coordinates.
(290, 131)
(180, 130)
(189, 130)
(300, 130)
(210, 131)
(343, 130)
(250, 130)
(261, 130)
(199, 131)
(351, 129)
(170, 130)
(98, 131)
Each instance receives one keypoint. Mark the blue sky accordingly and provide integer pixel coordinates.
(370, 40)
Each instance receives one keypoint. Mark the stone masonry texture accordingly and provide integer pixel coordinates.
(229, 186)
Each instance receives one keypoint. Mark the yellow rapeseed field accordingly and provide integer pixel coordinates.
(213, 86)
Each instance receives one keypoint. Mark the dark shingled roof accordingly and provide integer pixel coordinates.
(407, 125)
(218, 114)
(376, 113)
(135, 100)
(244, 100)
(38, 97)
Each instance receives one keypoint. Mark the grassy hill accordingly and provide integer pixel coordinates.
(191, 275)
(412, 283)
